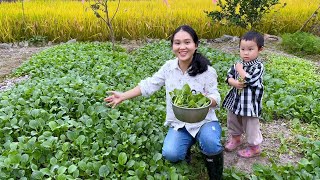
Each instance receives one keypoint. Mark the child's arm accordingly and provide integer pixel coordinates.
(250, 78)
(240, 70)
(231, 78)
(235, 83)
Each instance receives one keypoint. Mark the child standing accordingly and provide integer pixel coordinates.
(244, 100)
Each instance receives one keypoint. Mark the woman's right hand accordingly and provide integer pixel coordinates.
(114, 99)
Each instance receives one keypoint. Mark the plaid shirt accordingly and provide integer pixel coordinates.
(248, 101)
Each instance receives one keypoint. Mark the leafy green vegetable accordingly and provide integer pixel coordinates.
(185, 98)
(240, 79)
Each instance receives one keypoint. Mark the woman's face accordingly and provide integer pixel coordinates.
(183, 46)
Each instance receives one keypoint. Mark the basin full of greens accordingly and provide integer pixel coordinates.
(188, 105)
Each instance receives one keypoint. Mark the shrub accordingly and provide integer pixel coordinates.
(243, 13)
(301, 42)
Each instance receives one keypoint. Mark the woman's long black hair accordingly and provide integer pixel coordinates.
(199, 63)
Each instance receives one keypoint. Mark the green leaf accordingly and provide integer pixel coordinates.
(33, 124)
(82, 165)
(61, 170)
(65, 146)
(316, 159)
(47, 144)
(53, 125)
(24, 158)
(71, 135)
(35, 112)
(37, 175)
(81, 108)
(46, 171)
(80, 140)
(15, 158)
(104, 171)
(130, 163)
(122, 158)
(270, 104)
(72, 168)
(174, 176)
(13, 146)
(157, 157)
(61, 177)
(45, 99)
(304, 162)
(131, 173)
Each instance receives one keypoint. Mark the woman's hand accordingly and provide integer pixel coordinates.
(115, 99)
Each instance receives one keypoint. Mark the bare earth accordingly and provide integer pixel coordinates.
(13, 57)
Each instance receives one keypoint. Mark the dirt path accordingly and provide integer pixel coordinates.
(13, 57)
(272, 133)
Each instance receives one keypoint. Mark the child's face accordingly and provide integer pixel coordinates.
(249, 50)
(183, 46)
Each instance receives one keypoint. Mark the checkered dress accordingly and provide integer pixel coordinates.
(248, 101)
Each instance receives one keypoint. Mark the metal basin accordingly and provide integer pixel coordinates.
(190, 115)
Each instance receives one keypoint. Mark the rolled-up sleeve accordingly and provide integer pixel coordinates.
(211, 87)
(152, 84)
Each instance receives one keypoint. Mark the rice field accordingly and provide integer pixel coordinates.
(59, 20)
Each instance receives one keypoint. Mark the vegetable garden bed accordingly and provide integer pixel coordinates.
(56, 125)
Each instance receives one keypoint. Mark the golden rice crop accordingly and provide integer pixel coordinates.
(63, 20)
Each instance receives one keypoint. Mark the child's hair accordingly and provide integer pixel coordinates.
(199, 63)
(254, 36)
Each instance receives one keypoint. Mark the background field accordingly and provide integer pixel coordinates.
(63, 20)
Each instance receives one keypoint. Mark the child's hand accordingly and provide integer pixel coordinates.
(239, 84)
(235, 83)
(239, 67)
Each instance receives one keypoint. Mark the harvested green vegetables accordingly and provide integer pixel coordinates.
(240, 79)
(185, 98)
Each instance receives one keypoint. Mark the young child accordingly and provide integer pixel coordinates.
(244, 100)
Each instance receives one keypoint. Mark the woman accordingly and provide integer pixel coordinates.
(189, 67)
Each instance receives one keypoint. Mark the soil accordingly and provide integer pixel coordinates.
(13, 57)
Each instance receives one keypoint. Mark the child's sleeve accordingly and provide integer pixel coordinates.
(254, 75)
(231, 73)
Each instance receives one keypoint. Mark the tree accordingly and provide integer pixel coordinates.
(243, 13)
(100, 9)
